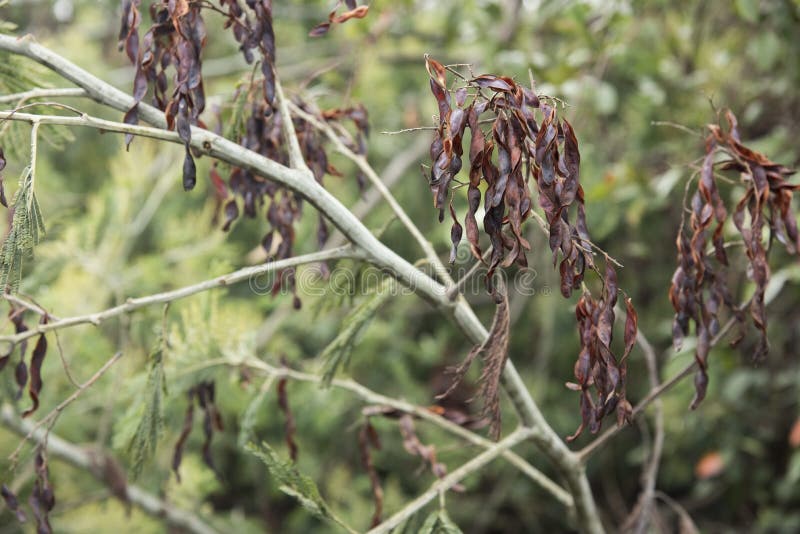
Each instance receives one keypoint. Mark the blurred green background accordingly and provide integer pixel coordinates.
(119, 225)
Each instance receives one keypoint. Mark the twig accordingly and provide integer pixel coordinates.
(50, 418)
(88, 461)
(176, 294)
(23, 303)
(639, 518)
(391, 174)
(362, 163)
(93, 122)
(453, 478)
(296, 159)
(43, 93)
(410, 130)
(421, 412)
(455, 289)
(677, 126)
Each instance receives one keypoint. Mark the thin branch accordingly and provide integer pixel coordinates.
(411, 130)
(225, 280)
(455, 289)
(391, 174)
(43, 93)
(639, 519)
(93, 122)
(377, 183)
(51, 418)
(24, 303)
(92, 461)
(421, 412)
(296, 159)
(453, 478)
(677, 126)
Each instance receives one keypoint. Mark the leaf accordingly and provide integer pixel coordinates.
(439, 522)
(494, 353)
(437, 72)
(290, 428)
(189, 172)
(142, 446)
(368, 439)
(35, 387)
(13, 503)
(337, 353)
(293, 483)
(27, 227)
(188, 423)
(413, 445)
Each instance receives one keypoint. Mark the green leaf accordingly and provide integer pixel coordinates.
(143, 444)
(295, 484)
(250, 417)
(439, 522)
(27, 227)
(337, 353)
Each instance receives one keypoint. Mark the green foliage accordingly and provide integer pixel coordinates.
(142, 446)
(27, 227)
(338, 352)
(295, 484)
(439, 522)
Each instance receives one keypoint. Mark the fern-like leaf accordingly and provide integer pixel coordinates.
(337, 353)
(295, 484)
(27, 228)
(439, 523)
(143, 444)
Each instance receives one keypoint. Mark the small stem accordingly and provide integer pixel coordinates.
(453, 478)
(455, 289)
(296, 159)
(43, 93)
(93, 122)
(132, 304)
(34, 150)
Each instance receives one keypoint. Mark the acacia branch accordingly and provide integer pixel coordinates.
(421, 412)
(93, 462)
(92, 122)
(296, 159)
(43, 93)
(224, 280)
(379, 254)
(453, 478)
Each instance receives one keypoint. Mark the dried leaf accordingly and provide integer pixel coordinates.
(37, 358)
(368, 439)
(289, 426)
